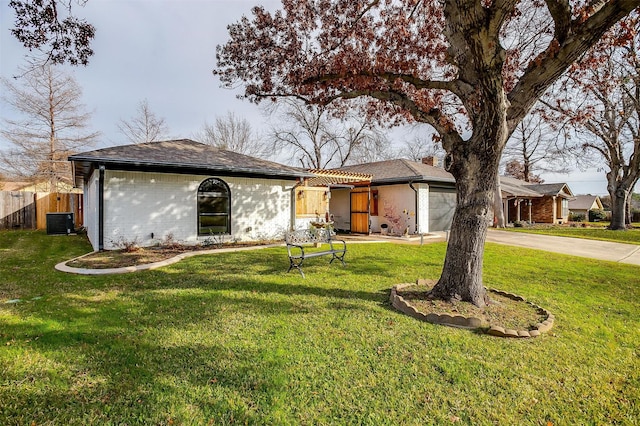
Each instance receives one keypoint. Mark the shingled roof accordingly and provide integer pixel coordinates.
(552, 189)
(181, 156)
(512, 187)
(585, 202)
(399, 171)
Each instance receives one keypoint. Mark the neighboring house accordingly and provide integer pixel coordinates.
(401, 195)
(182, 190)
(535, 203)
(582, 204)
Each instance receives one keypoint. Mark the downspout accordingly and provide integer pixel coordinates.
(300, 182)
(73, 174)
(416, 207)
(101, 208)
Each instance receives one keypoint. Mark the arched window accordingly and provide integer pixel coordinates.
(214, 207)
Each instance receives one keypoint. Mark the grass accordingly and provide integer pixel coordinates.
(629, 236)
(233, 339)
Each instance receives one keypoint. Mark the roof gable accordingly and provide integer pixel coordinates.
(552, 189)
(585, 202)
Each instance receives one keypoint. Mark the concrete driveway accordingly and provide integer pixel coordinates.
(603, 250)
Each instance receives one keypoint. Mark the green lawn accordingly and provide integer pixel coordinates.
(233, 339)
(629, 236)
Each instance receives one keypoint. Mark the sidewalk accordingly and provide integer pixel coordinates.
(594, 249)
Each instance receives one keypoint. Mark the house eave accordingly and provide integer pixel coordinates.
(86, 165)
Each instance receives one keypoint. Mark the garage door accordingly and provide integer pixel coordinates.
(442, 203)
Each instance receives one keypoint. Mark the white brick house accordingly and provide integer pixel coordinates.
(183, 190)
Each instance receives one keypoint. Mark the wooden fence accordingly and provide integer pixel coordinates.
(28, 210)
(311, 201)
(17, 210)
(58, 202)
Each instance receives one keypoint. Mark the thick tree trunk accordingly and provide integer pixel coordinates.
(476, 186)
(619, 188)
(618, 209)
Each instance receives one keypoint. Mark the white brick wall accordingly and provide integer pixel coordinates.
(137, 204)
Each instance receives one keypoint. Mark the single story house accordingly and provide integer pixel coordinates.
(401, 196)
(185, 191)
(534, 202)
(581, 205)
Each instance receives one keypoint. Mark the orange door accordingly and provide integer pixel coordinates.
(360, 212)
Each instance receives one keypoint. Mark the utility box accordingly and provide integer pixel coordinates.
(60, 223)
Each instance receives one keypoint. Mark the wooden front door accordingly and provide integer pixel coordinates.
(360, 212)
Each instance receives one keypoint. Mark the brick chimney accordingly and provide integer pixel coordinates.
(430, 161)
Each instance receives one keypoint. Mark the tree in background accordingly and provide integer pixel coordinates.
(600, 102)
(439, 62)
(420, 147)
(516, 169)
(533, 147)
(234, 134)
(145, 126)
(55, 125)
(50, 27)
(316, 140)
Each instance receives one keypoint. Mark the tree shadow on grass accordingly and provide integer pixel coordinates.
(118, 377)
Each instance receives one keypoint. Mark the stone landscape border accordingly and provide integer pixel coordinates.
(471, 323)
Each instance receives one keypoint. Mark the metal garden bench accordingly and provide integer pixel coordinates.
(300, 243)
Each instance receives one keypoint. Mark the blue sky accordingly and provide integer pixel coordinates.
(164, 51)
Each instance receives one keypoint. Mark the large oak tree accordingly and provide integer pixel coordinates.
(439, 62)
(599, 101)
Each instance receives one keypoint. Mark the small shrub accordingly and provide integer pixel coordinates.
(170, 242)
(597, 215)
(127, 246)
(574, 217)
(213, 241)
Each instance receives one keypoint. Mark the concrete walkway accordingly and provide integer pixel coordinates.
(594, 249)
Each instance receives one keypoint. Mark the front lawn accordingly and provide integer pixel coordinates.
(629, 236)
(233, 339)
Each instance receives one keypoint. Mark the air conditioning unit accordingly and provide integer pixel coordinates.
(60, 223)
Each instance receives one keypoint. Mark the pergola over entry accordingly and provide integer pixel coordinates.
(314, 195)
(330, 178)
